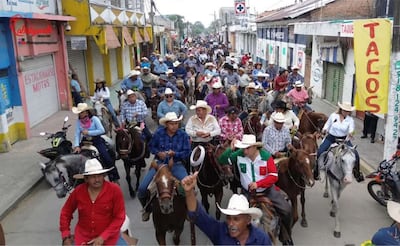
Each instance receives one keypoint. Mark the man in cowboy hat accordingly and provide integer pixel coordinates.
(179, 70)
(190, 61)
(169, 142)
(217, 100)
(276, 136)
(389, 235)
(339, 126)
(258, 173)
(89, 127)
(244, 79)
(170, 76)
(149, 81)
(272, 71)
(293, 77)
(236, 230)
(101, 209)
(299, 97)
(132, 82)
(250, 100)
(231, 125)
(202, 127)
(170, 104)
(160, 67)
(262, 80)
(164, 84)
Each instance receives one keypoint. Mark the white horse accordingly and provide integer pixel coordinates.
(338, 166)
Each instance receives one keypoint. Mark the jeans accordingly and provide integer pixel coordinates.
(178, 170)
(108, 162)
(147, 92)
(296, 109)
(110, 108)
(76, 96)
(121, 242)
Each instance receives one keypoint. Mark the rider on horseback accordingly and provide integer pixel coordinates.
(231, 125)
(276, 136)
(258, 173)
(250, 100)
(132, 81)
(340, 126)
(168, 143)
(102, 93)
(299, 97)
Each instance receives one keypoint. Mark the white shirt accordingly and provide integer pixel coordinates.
(339, 129)
(290, 119)
(209, 125)
(247, 167)
(105, 94)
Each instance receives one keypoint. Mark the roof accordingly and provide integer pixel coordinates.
(293, 11)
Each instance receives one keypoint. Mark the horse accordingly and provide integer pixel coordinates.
(311, 122)
(133, 151)
(153, 103)
(231, 93)
(295, 174)
(338, 165)
(105, 116)
(266, 103)
(252, 125)
(191, 98)
(211, 177)
(168, 207)
(180, 86)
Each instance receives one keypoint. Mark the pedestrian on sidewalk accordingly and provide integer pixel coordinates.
(75, 89)
(370, 123)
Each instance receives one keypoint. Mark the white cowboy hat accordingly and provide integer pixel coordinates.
(130, 92)
(195, 163)
(208, 77)
(170, 116)
(201, 104)
(247, 141)
(238, 204)
(235, 66)
(160, 60)
(176, 63)
(80, 108)
(346, 106)
(99, 80)
(261, 74)
(295, 67)
(278, 117)
(298, 83)
(252, 85)
(168, 91)
(217, 85)
(169, 71)
(145, 67)
(92, 167)
(393, 209)
(134, 73)
(191, 54)
(209, 64)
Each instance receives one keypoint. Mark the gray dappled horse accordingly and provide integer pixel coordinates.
(338, 166)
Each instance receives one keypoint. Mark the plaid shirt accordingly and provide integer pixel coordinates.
(250, 101)
(275, 140)
(179, 143)
(128, 110)
(231, 128)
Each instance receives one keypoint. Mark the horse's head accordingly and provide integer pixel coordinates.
(166, 188)
(226, 170)
(346, 159)
(301, 164)
(252, 125)
(57, 176)
(308, 142)
(123, 142)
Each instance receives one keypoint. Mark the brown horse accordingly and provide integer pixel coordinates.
(312, 122)
(132, 150)
(168, 208)
(295, 174)
(252, 125)
(211, 177)
(153, 103)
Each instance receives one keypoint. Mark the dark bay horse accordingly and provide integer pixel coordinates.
(252, 125)
(153, 102)
(168, 207)
(311, 122)
(295, 174)
(133, 151)
(211, 177)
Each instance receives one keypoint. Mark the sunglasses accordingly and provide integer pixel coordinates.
(168, 96)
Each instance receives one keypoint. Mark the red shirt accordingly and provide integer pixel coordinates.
(103, 217)
(231, 128)
(280, 83)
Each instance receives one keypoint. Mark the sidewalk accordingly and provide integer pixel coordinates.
(19, 169)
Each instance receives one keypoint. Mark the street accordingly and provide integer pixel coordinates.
(35, 220)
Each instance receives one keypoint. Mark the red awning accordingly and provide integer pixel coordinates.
(127, 37)
(138, 37)
(112, 39)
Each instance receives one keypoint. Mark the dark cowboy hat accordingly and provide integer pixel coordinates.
(228, 66)
(282, 70)
(232, 110)
(280, 104)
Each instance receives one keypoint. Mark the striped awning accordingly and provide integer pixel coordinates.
(127, 37)
(111, 38)
(331, 52)
(137, 36)
(146, 35)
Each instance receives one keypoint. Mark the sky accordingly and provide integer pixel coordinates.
(203, 10)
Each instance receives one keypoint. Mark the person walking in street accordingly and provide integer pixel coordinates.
(102, 93)
(75, 89)
(370, 123)
(236, 230)
(101, 209)
(88, 127)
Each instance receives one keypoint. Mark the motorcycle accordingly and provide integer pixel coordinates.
(384, 184)
(60, 145)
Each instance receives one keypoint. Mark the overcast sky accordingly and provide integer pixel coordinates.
(203, 10)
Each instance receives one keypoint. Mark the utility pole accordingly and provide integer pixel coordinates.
(227, 30)
(151, 14)
(392, 118)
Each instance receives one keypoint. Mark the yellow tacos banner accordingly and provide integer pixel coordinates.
(372, 47)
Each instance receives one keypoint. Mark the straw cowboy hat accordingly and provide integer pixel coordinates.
(252, 85)
(130, 92)
(169, 71)
(346, 106)
(247, 141)
(208, 78)
(261, 74)
(295, 68)
(217, 85)
(238, 204)
(80, 108)
(99, 80)
(92, 167)
(298, 83)
(209, 64)
(201, 104)
(176, 63)
(278, 117)
(393, 209)
(168, 91)
(170, 116)
(134, 73)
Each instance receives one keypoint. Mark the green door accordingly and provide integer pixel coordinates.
(333, 82)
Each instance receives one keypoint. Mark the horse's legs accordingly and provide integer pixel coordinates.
(127, 167)
(335, 205)
(204, 200)
(177, 236)
(160, 235)
(326, 186)
(303, 212)
(295, 212)
(138, 171)
(218, 198)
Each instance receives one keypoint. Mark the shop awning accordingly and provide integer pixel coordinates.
(331, 52)
(137, 36)
(146, 35)
(127, 37)
(112, 41)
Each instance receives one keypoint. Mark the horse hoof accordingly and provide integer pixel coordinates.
(176, 240)
(332, 214)
(326, 194)
(304, 223)
(336, 234)
(132, 194)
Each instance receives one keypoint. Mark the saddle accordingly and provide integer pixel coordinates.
(259, 198)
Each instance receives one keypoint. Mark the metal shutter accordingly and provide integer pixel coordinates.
(333, 82)
(77, 61)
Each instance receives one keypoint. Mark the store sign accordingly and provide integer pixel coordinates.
(19, 27)
(79, 43)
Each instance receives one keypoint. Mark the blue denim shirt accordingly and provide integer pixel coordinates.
(217, 231)
(387, 236)
(177, 106)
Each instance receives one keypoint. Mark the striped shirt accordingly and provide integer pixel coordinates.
(276, 140)
(128, 110)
